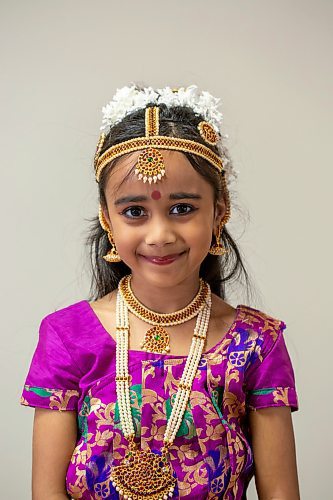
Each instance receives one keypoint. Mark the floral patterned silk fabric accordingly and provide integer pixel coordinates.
(74, 368)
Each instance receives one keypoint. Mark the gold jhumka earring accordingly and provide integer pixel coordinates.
(112, 255)
(217, 248)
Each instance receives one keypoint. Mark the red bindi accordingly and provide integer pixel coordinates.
(156, 195)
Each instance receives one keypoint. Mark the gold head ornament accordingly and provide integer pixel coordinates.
(150, 165)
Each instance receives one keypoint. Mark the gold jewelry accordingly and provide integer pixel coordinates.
(150, 164)
(157, 339)
(208, 133)
(99, 148)
(217, 248)
(166, 319)
(112, 255)
(143, 474)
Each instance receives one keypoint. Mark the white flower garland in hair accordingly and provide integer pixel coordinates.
(129, 99)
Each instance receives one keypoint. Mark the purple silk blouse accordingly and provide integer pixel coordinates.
(74, 368)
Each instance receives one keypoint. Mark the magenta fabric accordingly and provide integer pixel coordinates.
(73, 368)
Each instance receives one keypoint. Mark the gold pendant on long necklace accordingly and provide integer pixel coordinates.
(142, 475)
(156, 340)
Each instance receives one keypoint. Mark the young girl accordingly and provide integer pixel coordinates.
(169, 391)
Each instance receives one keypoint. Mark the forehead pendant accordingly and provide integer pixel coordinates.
(150, 166)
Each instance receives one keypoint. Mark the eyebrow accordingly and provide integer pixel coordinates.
(173, 196)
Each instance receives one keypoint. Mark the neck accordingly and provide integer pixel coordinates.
(161, 298)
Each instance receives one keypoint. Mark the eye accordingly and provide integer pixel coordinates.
(136, 212)
(133, 212)
(183, 209)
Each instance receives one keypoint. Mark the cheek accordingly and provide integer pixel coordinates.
(127, 239)
(199, 236)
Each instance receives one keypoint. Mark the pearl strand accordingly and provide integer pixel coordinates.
(122, 375)
(190, 370)
(125, 382)
(185, 384)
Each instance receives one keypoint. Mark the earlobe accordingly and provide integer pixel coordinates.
(104, 219)
(220, 211)
(112, 255)
(107, 217)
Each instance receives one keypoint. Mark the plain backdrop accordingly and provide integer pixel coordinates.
(271, 63)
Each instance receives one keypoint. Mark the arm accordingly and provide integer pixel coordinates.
(54, 438)
(274, 454)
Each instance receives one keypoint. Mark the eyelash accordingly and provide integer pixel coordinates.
(136, 207)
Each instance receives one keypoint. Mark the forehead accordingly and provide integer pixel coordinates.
(179, 175)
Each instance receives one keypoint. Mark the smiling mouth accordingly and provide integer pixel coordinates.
(163, 260)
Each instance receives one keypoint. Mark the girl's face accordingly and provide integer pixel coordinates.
(173, 218)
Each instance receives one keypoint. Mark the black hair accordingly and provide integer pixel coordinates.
(218, 271)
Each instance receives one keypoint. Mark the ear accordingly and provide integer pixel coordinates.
(220, 210)
(106, 216)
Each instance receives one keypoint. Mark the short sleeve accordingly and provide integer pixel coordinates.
(53, 378)
(270, 380)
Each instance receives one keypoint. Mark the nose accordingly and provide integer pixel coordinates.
(160, 232)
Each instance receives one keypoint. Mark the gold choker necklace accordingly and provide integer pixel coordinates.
(143, 474)
(157, 338)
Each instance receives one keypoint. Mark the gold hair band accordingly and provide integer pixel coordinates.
(150, 166)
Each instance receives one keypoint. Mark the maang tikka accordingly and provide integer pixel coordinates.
(150, 165)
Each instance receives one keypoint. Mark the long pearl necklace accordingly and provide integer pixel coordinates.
(144, 474)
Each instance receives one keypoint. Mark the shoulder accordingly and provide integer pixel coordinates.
(69, 323)
(67, 314)
(260, 322)
(80, 319)
(261, 332)
(259, 318)
(222, 313)
(247, 319)
(106, 304)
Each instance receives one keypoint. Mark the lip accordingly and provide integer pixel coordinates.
(166, 259)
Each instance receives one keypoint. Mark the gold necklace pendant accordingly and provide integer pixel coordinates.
(156, 340)
(143, 474)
